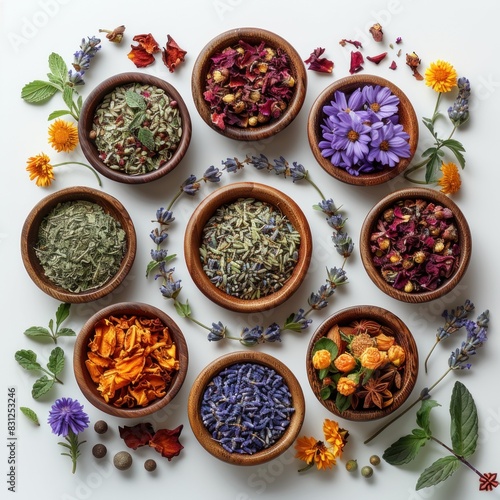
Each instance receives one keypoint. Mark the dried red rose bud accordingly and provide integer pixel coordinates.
(413, 61)
(116, 35)
(377, 59)
(376, 32)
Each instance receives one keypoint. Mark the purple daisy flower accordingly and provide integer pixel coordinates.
(342, 104)
(381, 101)
(66, 415)
(389, 144)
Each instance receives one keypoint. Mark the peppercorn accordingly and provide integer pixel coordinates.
(100, 427)
(374, 459)
(366, 471)
(122, 460)
(351, 465)
(99, 450)
(150, 465)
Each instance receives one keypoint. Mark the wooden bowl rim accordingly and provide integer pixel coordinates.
(95, 98)
(401, 332)
(89, 388)
(209, 372)
(316, 118)
(227, 194)
(464, 235)
(252, 34)
(29, 237)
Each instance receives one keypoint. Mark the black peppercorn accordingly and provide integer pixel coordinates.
(150, 465)
(99, 450)
(100, 427)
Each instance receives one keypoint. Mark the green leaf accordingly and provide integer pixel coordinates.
(56, 361)
(58, 68)
(429, 151)
(38, 91)
(38, 332)
(135, 100)
(464, 421)
(184, 310)
(42, 386)
(68, 96)
(136, 121)
(62, 313)
(325, 392)
(146, 137)
(66, 332)
(342, 402)
(440, 470)
(457, 149)
(57, 114)
(327, 344)
(27, 359)
(153, 264)
(423, 415)
(431, 168)
(406, 448)
(28, 412)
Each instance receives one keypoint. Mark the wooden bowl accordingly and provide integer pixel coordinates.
(253, 36)
(407, 118)
(29, 239)
(464, 240)
(193, 238)
(403, 337)
(85, 123)
(89, 387)
(204, 436)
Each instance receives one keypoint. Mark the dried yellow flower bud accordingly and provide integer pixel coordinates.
(419, 257)
(218, 76)
(438, 246)
(384, 342)
(321, 359)
(384, 244)
(253, 121)
(409, 287)
(255, 95)
(270, 53)
(396, 355)
(228, 98)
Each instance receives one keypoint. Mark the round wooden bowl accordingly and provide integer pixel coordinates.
(403, 337)
(89, 387)
(464, 239)
(253, 36)
(407, 118)
(85, 123)
(193, 237)
(29, 239)
(203, 435)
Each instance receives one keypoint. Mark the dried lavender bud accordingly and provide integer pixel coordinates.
(101, 427)
(99, 450)
(150, 465)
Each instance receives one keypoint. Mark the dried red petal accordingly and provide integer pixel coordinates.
(137, 435)
(148, 43)
(166, 442)
(487, 482)
(357, 44)
(356, 62)
(317, 63)
(377, 59)
(172, 54)
(393, 65)
(140, 57)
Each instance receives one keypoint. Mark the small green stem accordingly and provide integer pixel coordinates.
(176, 197)
(435, 114)
(198, 323)
(429, 355)
(84, 165)
(314, 185)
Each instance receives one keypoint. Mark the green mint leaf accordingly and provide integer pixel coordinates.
(153, 264)
(42, 386)
(27, 359)
(405, 449)
(58, 68)
(136, 121)
(29, 413)
(38, 332)
(183, 310)
(440, 470)
(342, 402)
(56, 361)
(432, 167)
(423, 415)
(328, 345)
(58, 113)
(146, 137)
(68, 96)
(464, 421)
(135, 100)
(38, 91)
(66, 332)
(62, 313)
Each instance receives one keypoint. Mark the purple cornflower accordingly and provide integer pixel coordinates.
(389, 144)
(260, 162)
(66, 415)
(212, 174)
(251, 337)
(272, 333)
(190, 186)
(381, 101)
(217, 332)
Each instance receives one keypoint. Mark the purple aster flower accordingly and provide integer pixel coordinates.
(381, 101)
(212, 174)
(342, 104)
(260, 162)
(66, 415)
(272, 333)
(389, 144)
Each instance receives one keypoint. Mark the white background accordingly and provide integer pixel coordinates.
(465, 36)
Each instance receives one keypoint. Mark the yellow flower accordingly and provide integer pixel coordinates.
(396, 355)
(335, 437)
(384, 341)
(371, 358)
(346, 386)
(441, 76)
(314, 452)
(40, 170)
(345, 362)
(450, 181)
(63, 136)
(321, 359)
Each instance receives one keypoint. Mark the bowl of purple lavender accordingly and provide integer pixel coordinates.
(363, 130)
(246, 408)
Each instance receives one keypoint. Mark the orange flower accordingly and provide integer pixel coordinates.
(63, 136)
(450, 181)
(396, 355)
(345, 362)
(384, 342)
(335, 437)
(371, 358)
(441, 76)
(346, 386)
(314, 452)
(41, 170)
(321, 359)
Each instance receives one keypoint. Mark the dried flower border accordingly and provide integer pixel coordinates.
(170, 288)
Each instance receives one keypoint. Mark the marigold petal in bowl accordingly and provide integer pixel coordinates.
(363, 130)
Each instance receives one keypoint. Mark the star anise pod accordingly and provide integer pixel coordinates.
(376, 392)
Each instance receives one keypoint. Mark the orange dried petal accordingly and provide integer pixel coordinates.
(104, 340)
(131, 367)
(94, 370)
(166, 442)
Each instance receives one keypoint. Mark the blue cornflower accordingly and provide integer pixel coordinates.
(159, 255)
(280, 166)
(272, 333)
(190, 186)
(164, 217)
(381, 101)
(336, 221)
(298, 172)
(66, 415)
(232, 164)
(389, 144)
(212, 174)
(217, 332)
(158, 236)
(343, 244)
(260, 162)
(327, 206)
(251, 337)
(336, 277)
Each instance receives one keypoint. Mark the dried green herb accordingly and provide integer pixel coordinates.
(41, 333)
(80, 246)
(30, 414)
